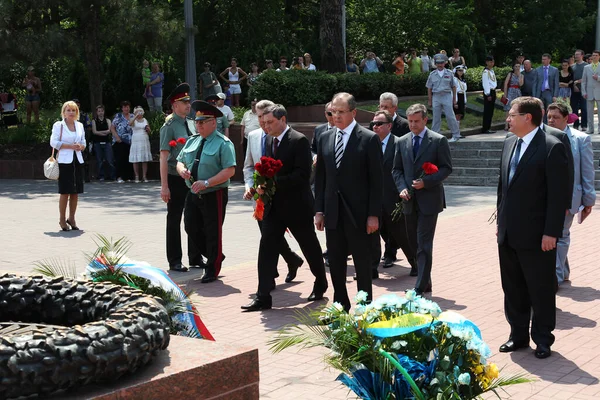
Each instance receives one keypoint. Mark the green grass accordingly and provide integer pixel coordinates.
(469, 120)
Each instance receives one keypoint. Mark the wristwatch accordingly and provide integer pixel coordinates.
(206, 183)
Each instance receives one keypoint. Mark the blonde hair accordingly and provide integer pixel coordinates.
(70, 104)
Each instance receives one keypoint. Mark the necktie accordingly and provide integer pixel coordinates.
(263, 140)
(339, 148)
(416, 145)
(546, 78)
(515, 161)
(275, 145)
(187, 128)
(197, 160)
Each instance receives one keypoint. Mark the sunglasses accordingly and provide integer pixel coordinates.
(379, 123)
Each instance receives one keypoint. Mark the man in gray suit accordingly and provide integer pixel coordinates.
(590, 88)
(584, 194)
(423, 198)
(546, 87)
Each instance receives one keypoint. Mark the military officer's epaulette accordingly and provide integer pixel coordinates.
(223, 136)
(169, 119)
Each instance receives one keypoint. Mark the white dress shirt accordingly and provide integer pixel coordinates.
(384, 142)
(347, 131)
(526, 141)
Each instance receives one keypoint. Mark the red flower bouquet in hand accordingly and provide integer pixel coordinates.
(264, 174)
(428, 169)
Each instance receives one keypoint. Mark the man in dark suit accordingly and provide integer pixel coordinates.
(531, 211)
(389, 102)
(390, 230)
(349, 190)
(546, 87)
(292, 207)
(313, 147)
(423, 198)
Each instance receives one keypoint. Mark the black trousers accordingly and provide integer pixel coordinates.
(290, 257)
(273, 231)
(528, 281)
(178, 190)
(488, 110)
(203, 218)
(395, 235)
(421, 230)
(347, 239)
(124, 167)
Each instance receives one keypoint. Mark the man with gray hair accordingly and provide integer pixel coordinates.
(529, 79)
(423, 198)
(441, 92)
(389, 102)
(349, 195)
(256, 150)
(291, 207)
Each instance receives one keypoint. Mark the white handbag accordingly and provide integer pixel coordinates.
(51, 165)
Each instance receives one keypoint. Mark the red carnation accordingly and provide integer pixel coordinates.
(181, 140)
(430, 168)
(172, 143)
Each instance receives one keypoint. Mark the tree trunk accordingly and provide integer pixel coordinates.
(333, 57)
(91, 47)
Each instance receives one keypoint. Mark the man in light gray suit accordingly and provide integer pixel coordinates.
(584, 194)
(423, 198)
(546, 86)
(254, 151)
(590, 88)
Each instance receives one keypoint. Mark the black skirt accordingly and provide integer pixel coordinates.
(460, 109)
(70, 178)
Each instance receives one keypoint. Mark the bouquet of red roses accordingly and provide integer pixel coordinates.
(428, 169)
(264, 173)
(180, 140)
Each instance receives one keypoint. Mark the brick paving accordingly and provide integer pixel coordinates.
(465, 279)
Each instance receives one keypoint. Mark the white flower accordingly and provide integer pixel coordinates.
(398, 344)
(410, 295)
(361, 297)
(338, 306)
(359, 310)
(464, 379)
(436, 311)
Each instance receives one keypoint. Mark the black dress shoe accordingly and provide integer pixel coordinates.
(208, 277)
(388, 262)
(511, 346)
(414, 271)
(316, 295)
(178, 268)
(257, 305)
(293, 270)
(542, 351)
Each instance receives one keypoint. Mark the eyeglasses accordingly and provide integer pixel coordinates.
(379, 123)
(340, 112)
(329, 113)
(514, 115)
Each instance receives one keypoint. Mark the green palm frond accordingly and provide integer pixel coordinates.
(305, 333)
(54, 267)
(112, 251)
(498, 384)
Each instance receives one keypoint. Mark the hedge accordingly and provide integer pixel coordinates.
(302, 88)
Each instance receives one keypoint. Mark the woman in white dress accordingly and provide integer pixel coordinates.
(140, 144)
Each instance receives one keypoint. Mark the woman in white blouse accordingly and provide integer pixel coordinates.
(68, 137)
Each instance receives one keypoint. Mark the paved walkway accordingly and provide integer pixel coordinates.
(465, 279)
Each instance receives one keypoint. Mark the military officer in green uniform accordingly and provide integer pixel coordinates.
(173, 190)
(207, 162)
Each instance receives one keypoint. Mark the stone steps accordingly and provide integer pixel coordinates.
(477, 162)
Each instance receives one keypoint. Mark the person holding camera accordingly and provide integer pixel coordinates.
(140, 144)
(371, 63)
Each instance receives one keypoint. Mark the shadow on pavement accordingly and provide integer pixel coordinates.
(566, 320)
(582, 294)
(547, 369)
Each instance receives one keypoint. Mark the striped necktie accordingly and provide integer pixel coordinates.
(339, 148)
(515, 161)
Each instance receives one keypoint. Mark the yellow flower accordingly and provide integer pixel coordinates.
(479, 369)
(491, 371)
